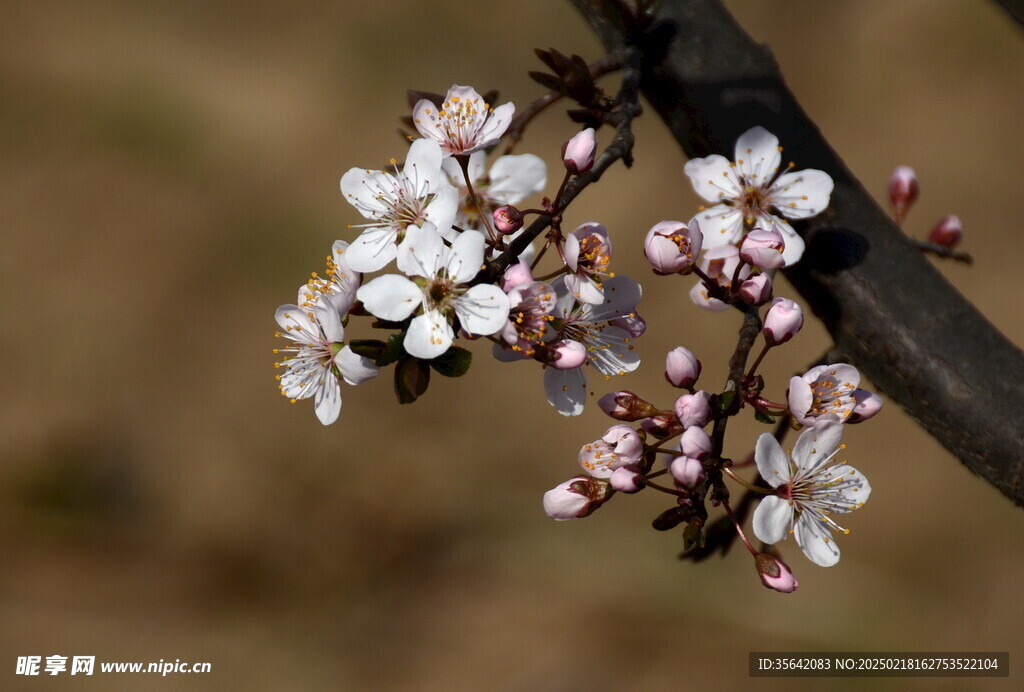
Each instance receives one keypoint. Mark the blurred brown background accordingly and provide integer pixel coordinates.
(169, 175)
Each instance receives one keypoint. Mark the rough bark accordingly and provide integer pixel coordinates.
(893, 315)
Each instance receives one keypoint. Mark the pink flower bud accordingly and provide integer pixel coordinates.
(672, 247)
(578, 152)
(619, 446)
(868, 404)
(763, 249)
(632, 323)
(627, 479)
(570, 354)
(775, 574)
(695, 442)
(783, 320)
(903, 190)
(681, 367)
(693, 409)
(627, 406)
(757, 290)
(576, 498)
(948, 233)
(687, 471)
(661, 426)
(516, 275)
(507, 219)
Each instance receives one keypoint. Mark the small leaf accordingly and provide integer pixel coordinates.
(548, 81)
(412, 376)
(667, 520)
(723, 402)
(692, 535)
(393, 350)
(369, 348)
(452, 363)
(763, 418)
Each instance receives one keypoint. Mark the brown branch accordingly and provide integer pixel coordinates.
(888, 309)
(619, 149)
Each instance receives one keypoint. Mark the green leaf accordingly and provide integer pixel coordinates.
(764, 418)
(368, 348)
(723, 402)
(392, 350)
(452, 363)
(692, 535)
(412, 376)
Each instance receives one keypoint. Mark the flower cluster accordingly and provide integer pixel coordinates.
(441, 218)
(444, 236)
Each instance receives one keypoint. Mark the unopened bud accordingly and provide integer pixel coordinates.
(632, 323)
(661, 426)
(627, 406)
(775, 574)
(757, 290)
(507, 219)
(693, 409)
(627, 479)
(516, 275)
(578, 152)
(868, 404)
(903, 191)
(782, 321)
(576, 498)
(763, 249)
(695, 442)
(672, 247)
(681, 367)
(569, 354)
(687, 471)
(948, 232)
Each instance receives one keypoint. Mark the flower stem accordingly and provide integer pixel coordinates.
(464, 164)
(739, 529)
(757, 361)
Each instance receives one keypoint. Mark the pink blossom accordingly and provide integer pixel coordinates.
(681, 367)
(578, 152)
(687, 471)
(903, 191)
(948, 232)
(693, 409)
(775, 574)
(671, 247)
(627, 479)
(763, 249)
(783, 320)
(757, 290)
(619, 446)
(576, 498)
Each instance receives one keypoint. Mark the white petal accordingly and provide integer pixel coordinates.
(566, 390)
(466, 257)
(855, 489)
(772, 518)
(612, 354)
(423, 252)
(372, 250)
(482, 309)
(845, 376)
(506, 355)
(345, 281)
(721, 225)
(296, 323)
(424, 116)
(802, 194)
(429, 335)
(800, 398)
(571, 249)
(330, 320)
(514, 178)
(772, 461)
(391, 297)
(423, 166)
(328, 400)
(364, 188)
(442, 210)
(584, 288)
(355, 368)
(713, 178)
(699, 296)
(818, 443)
(495, 126)
(757, 155)
(621, 296)
(815, 540)
(565, 299)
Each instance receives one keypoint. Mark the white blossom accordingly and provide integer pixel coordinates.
(748, 191)
(811, 484)
(464, 123)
